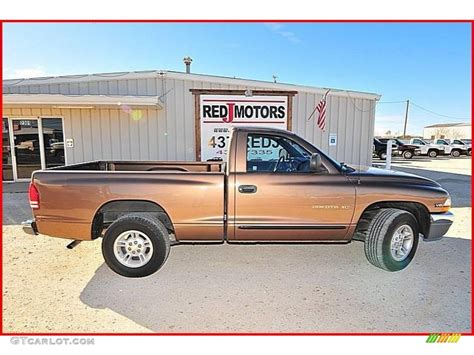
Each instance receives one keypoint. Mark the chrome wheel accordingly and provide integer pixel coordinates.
(402, 242)
(133, 248)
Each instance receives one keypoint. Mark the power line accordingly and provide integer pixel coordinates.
(436, 113)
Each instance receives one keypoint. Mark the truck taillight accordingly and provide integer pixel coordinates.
(34, 197)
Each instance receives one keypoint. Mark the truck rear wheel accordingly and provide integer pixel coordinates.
(408, 154)
(136, 245)
(392, 239)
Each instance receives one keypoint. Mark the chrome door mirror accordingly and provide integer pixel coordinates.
(315, 162)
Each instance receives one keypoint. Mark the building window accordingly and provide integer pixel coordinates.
(7, 170)
(53, 140)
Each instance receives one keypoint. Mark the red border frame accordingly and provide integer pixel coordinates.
(2, 333)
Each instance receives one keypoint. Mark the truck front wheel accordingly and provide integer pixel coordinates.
(136, 245)
(392, 239)
(433, 153)
(455, 153)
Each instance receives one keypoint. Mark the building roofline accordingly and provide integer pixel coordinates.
(458, 124)
(147, 74)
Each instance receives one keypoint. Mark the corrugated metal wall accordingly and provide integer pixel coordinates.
(168, 134)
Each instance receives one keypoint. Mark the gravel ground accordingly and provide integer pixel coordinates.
(243, 288)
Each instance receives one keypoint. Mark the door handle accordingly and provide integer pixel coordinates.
(247, 189)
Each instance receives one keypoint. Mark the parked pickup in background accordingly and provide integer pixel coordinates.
(426, 148)
(451, 149)
(457, 146)
(467, 143)
(380, 149)
(274, 187)
(407, 151)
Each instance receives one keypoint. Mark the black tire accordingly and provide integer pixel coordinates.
(380, 232)
(469, 152)
(408, 154)
(455, 153)
(433, 153)
(152, 228)
(383, 155)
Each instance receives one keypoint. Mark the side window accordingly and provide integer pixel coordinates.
(267, 153)
(418, 141)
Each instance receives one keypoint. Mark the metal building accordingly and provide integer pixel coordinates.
(151, 115)
(448, 130)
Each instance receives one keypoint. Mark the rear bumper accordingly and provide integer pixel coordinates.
(439, 225)
(29, 227)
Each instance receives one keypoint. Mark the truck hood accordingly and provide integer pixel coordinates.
(383, 175)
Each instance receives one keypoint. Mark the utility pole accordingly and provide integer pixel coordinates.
(406, 119)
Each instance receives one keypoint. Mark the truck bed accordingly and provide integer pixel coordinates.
(192, 194)
(165, 166)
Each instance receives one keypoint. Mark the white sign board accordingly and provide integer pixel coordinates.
(69, 143)
(219, 113)
(332, 139)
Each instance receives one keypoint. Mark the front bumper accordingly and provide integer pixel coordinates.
(29, 227)
(439, 225)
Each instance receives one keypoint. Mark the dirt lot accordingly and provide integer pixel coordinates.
(229, 288)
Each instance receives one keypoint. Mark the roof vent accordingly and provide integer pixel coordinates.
(187, 61)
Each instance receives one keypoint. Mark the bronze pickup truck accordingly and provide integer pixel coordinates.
(274, 187)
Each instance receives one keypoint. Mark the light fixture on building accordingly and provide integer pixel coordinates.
(248, 93)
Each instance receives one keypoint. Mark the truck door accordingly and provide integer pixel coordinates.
(276, 197)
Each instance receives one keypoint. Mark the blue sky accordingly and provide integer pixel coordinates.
(429, 64)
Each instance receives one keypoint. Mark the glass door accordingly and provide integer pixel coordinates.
(27, 147)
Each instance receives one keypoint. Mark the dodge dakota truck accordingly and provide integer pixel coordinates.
(274, 187)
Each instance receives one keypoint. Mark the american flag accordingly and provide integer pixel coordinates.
(321, 108)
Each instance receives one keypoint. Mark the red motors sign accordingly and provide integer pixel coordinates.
(219, 113)
(241, 109)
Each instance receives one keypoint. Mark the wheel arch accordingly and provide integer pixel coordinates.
(419, 210)
(114, 209)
